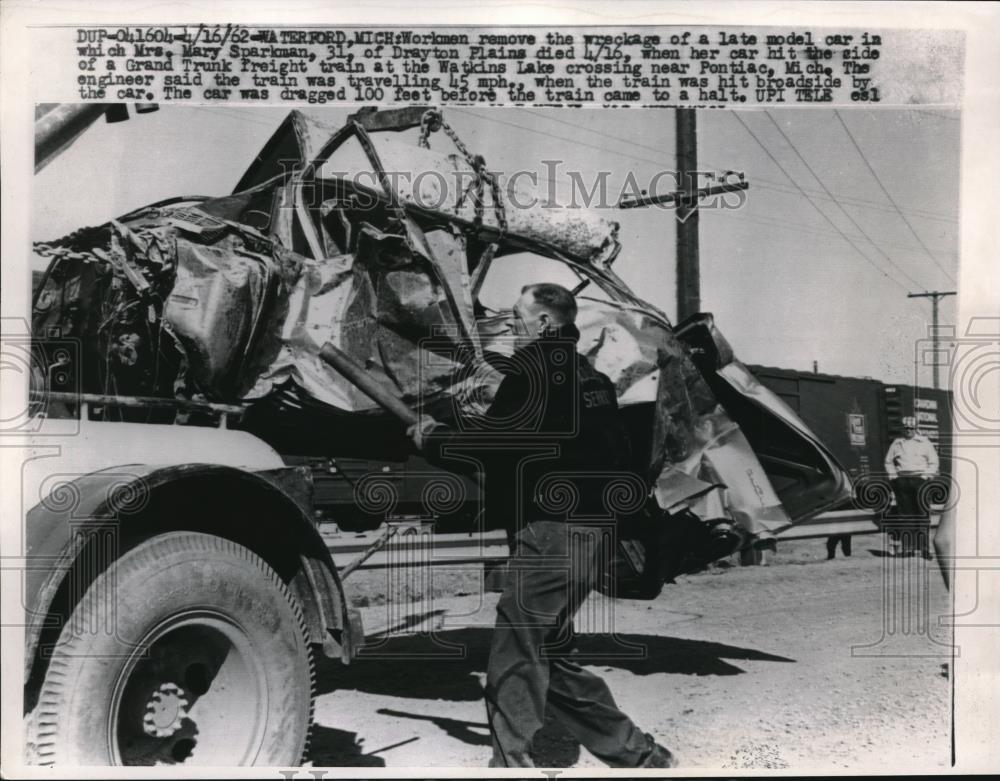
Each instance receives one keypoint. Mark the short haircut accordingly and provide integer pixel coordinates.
(555, 298)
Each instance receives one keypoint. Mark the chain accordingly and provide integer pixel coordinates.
(430, 122)
(498, 207)
(461, 147)
(85, 235)
(433, 120)
(476, 188)
(49, 251)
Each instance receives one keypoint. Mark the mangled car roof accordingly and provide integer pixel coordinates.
(434, 180)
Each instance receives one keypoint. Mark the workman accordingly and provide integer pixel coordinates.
(550, 445)
(910, 463)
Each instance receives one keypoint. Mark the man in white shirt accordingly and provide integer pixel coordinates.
(910, 463)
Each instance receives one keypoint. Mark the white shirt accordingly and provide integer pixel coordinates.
(915, 456)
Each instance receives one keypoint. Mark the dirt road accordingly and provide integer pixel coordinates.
(805, 664)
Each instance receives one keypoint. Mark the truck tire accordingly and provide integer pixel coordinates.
(189, 649)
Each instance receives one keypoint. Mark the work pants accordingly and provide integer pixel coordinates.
(911, 524)
(553, 568)
(831, 545)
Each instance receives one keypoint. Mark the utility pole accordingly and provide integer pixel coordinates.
(935, 296)
(688, 273)
(686, 199)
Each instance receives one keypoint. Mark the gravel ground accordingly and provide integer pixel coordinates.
(805, 665)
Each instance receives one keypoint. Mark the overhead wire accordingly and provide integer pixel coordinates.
(576, 126)
(892, 200)
(849, 200)
(820, 211)
(558, 137)
(229, 112)
(758, 182)
(799, 228)
(854, 222)
(801, 190)
(937, 114)
(767, 184)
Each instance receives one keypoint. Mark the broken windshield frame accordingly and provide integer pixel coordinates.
(305, 200)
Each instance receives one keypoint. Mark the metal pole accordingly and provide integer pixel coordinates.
(57, 125)
(935, 296)
(688, 275)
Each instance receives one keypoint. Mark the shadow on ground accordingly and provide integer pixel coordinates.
(444, 665)
(552, 747)
(447, 666)
(339, 748)
(473, 733)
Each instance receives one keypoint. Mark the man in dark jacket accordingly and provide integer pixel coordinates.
(554, 454)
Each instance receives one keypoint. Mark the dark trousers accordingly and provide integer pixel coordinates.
(831, 545)
(910, 525)
(553, 569)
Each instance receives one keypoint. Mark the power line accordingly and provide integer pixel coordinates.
(799, 228)
(846, 214)
(766, 184)
(242, 118)
(936, 114)
(810, 202)
(760, 182)
(763, 183)
(558, 137)
(887, 195)
(230, 115)
(800, 189)
(595, 132)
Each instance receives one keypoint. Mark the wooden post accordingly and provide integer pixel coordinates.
(935, 296)
(688, 275)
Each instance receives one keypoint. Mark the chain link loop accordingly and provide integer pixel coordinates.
(46, 250)
(432, 121)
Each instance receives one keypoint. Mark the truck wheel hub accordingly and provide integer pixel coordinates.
(165, 711)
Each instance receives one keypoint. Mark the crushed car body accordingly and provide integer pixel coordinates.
(387, 250)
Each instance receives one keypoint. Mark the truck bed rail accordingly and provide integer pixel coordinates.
(452, 550)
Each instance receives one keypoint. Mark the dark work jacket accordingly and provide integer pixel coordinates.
(551, 444)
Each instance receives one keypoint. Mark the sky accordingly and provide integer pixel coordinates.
(846, 212)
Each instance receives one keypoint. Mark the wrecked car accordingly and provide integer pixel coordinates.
(231, 299)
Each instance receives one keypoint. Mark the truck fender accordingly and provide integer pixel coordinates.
(81, 524)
